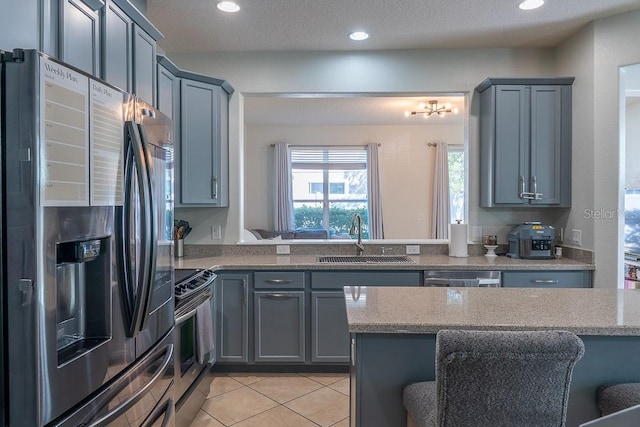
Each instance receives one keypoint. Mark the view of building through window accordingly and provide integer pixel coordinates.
(329, 186)
(456, 183)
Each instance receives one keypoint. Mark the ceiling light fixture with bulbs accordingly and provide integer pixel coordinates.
(432, 108)
(228, 6)
(530, 4)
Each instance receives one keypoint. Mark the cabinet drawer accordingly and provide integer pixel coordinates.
(546, 279)
(278, 280)
(338, 279)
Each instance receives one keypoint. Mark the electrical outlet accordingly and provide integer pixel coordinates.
(413, 249)
(576, 237)
(282, 249)
(476, 234)
(216, 232)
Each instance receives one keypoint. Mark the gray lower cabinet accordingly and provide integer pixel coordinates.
(204, 146)
(293, 317)
(232, 311)
(329, 330)
(547, 279)
(525, 142)
(79, 34)
(279, 326)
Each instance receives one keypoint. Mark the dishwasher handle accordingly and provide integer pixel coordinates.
(475, 282)
(436, 282)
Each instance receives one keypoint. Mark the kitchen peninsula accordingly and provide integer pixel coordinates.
(393, 338)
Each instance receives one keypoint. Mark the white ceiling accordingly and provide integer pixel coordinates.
(268, 25)
(307, 25)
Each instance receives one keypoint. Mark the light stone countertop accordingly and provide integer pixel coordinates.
(422, 262)
(428, 310)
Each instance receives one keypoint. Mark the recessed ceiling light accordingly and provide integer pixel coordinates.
(228, 6)
(358, 35)
(530, 4)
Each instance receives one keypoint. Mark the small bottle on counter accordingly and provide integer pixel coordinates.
(558, 252)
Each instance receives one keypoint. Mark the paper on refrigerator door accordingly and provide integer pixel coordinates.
(106, 145)
(64, 136)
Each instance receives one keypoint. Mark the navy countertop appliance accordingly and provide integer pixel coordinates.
(87, 253)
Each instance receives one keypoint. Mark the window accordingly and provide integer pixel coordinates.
(456, 182)
(334, 187)
(329, 186)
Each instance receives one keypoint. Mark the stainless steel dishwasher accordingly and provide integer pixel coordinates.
(462, 278)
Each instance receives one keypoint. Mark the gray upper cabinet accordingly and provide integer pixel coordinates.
(204, 144)
(20, 25)
(144, 65)
(129, 50)
(168, 101)
(79, 34)
(525, 142)
(118, 42)
(199, 108)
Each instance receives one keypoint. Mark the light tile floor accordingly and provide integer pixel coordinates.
(276, 400)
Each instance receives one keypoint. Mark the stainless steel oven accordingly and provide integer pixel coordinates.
(194, 340)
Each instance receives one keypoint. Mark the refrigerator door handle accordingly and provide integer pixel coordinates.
(152, 224)
(140, 298)
(128, 281)
(139, 394)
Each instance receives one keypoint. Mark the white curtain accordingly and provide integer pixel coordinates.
(283, 204)
(440, 205)
(376, 230)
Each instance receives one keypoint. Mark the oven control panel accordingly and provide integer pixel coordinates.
(192, 285)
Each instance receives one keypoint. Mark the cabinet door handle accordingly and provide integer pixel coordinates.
(536, 195)
(544, 281)
(214, 187)
(244, 292)
(278, 296)
(278, 281)
(353, 352)
(524, 194)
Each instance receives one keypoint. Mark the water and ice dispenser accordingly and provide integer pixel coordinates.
(83, 297)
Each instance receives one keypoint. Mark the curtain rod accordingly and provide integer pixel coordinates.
(432, 144)
(290, 145)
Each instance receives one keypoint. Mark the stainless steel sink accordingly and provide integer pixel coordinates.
(366, 259)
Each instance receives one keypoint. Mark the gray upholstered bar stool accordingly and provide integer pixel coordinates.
(496, 378)
(616, 397)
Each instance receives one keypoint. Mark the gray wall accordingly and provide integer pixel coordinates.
(594, 56)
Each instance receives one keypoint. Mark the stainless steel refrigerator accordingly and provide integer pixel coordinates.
(87, 254)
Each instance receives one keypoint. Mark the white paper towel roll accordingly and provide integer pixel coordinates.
(458, 240)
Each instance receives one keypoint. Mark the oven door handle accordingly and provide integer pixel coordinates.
(186, 316)
(199, 300)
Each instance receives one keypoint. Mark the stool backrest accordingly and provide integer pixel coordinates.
(504, 378)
